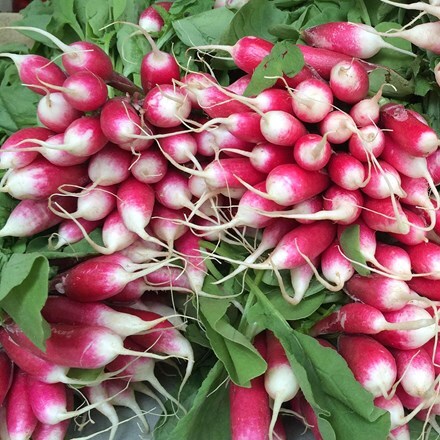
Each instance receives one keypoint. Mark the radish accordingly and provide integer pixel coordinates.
(367, 110)
(385, 294)
(426, 287)
(335, 267)
(273, 99)
(238, 86)
(51, 432)
(312, 152)
(150, 166)
(109, 166)
(59, 309)
(280, 381)
(431, 8)
(61, 158)
(249, 407)
(6, 374)
(415, 371)
(168, 278)
(346, 171)
(367, 142)
(349, 81)
(312, 100)
(417, 231)
(131, 292)
(425, 259)
(35, 70)
(395, 259)
(372, 364)
(383, 182)
(68, 232)
(353, 39)
(20, 419)
(433, 162)
(167, 225)
(339, 127)
(94, 346)
(281, 128)
(181, 147)
(364, 319)
(166, 106)
(415, 137)
(150, 20)
(17, 141)
(199, 81)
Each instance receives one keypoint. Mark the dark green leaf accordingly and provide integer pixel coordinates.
(383, 75)
(204, 28)
(350, 244)
(23, 292)
(118, 7)
(187, 8)
(418, 430)
(63, 13)
(255, 18)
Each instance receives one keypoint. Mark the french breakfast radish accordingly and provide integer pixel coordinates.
(6, 374)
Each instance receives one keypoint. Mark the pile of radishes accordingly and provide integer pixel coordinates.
(156, 170)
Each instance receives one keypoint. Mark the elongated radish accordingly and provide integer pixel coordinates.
(372, 364)
(6, 374)
(167, 225)
(20, 419)
(312, 152)
(280, 381)
(150, 20)
(366, 142)
(150, 166)
(419, 140)
(51, 432)
(168, 278)
(417, 230)
(383, 181)
(61, 158)
(426, 287)
(17, 141)
(353, 39)
(395, 259)
(364, 319)
(68, 232)
(281, 128)
(349, 81)
(425, 259)
(346, 171)
(339, 127)
(33, 69)
(335, 267)
(94, 346)
(385, 294)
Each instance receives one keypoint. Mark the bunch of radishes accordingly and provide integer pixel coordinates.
(184, 159)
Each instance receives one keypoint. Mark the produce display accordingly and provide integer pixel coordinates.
(230, 207)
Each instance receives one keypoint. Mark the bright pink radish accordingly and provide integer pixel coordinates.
(339, 127)
(131, 292)
(413, 136)
(20, 419)
(364, 319)
(60, 157)
(379, 214)
(280, 381)
(158, 68)
(35, 70)
(51, 432)
(181, 147)
(384, 181)
(366, 142)
(173, 191)
(163, 338)
(167, 224)
(249, 407)
(68, 232)
(395, 259)
(239, 86)
(16, 142)
(354, 39)
(306, 410)
(312, 100)
(434, 166)
(346, 171)
(367, 111)
(281, 128)
(59, 309)
(383, 293)
(166, 106)
(273, 99)
(417, 231)
(109, 166)
(417, 194)
(425, 259)
(150, 20)
(93, 347)
(416, 371)
(407, 339)
(401, 432)
(394, 407)
(372, 364)
(168, 278)
(349, 81)
(94, 279)
(335, 267)
(426, 287)
(199, 80)
(41, 179)
(322, 60)
(312, 152)
(150, 166)
(6, 374)
(223, 140)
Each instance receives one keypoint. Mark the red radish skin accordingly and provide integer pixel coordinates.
(58, 157)
(168, 278)
(167, 224)
(417, 229)
(426, 287)
(16, 142)
(40, 179)
(383, 181)
(239, 86)
(150, 167)
(273, 99)
(200, 80)
(181, 147)
(6, 374)
(349, 81)
(165, 106)
(415, 137)
(366, 142)
(280, 381)
(364, 319)
(281, 128)
(372, 364)
(367, 111)
(20, 419)
(68, 232)
(353, 39)
(335, 267)
(425, 259)
(339, 127)
(158, 68)
(35, 70)
(346, 171)
(312, 100)
(109, 166)
(173, 191)
(150, 20)
(312, 152)
(416, 371)
(51, 432)
(395, 259)
(433, 162)
(383, 293)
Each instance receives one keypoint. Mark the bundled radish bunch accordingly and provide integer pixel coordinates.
(299, 165)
